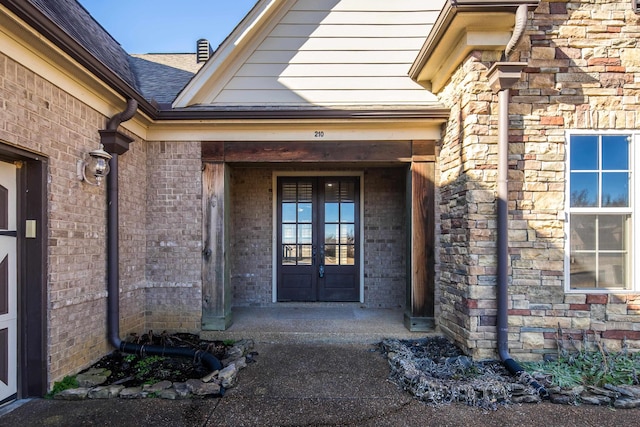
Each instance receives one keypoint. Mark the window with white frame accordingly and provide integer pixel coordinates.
(600, 204)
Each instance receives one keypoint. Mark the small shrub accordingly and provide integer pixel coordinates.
(67, 382)
(146, 365)
(589, 363)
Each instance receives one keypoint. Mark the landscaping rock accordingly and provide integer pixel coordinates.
(105, 392)
(594, 399)
(199, 388)
(602, 392)
(181, 389)
(133, 393)
(228, 376)
(73, 394)
(526, 398)
(169, 394)
(208, 378)
(237, 351)
(93, 377)
(154, 388)
(625, 403)
(241, 363)
(563, 399)
(625, 390)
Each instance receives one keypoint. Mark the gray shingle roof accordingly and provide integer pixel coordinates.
(74, 19)
(162, 76)
(158, 77)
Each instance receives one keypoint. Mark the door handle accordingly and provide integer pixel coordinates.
(321, 267)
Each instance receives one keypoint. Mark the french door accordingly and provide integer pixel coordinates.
(318, 239)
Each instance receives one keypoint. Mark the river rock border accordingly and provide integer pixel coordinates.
(443, 381)
(92, 382)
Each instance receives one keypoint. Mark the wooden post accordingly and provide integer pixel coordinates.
(216, 287)
(421, 276)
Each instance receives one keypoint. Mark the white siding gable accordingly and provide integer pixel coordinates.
(325, 53)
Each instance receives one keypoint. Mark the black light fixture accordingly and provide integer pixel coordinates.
(94, 167)
(634, 6)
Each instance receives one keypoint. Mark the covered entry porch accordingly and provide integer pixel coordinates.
(243, 225)
(315, 322)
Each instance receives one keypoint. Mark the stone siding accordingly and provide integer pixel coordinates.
(582, 73)
(39, 117)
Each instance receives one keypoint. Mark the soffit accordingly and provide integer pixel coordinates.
(462, 27)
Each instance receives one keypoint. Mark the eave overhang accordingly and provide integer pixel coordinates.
(56, 35)
(436, 113)
(155, 113)
(462, 27)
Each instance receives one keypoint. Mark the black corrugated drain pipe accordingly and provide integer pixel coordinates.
(502, 76)
(117, 143)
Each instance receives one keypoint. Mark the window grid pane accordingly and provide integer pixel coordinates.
(339, 222)
(599, 252)
(600, 217)
(297, 217)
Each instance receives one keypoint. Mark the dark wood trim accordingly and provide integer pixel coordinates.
(212, 151)
(421, 280)
(305, 152)
(32, 277)
(32, 270)
(424, 151)
(216, 287)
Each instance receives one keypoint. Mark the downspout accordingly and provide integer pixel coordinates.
(503, 75)
(116, 143)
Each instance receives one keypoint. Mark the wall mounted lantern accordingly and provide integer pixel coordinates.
(94, 167)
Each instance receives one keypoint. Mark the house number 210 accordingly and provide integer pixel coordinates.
(318, 134)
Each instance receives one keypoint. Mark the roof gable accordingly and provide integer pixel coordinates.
(318, 53)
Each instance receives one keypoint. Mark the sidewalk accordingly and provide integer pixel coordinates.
(307, 385)
(317, 366)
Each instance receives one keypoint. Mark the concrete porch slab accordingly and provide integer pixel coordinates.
(314, 322)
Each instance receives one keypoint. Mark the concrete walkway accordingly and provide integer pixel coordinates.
(306, 378)
(307, 385)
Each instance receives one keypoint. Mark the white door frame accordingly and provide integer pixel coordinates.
(9, 252)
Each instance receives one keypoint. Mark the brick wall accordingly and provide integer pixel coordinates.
(583, 65)
(174, 236)
(251, 236)
(39, 117)
(385, 283)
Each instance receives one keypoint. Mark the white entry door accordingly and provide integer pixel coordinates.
(8, 283)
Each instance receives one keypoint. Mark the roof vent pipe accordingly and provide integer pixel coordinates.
(204, 51)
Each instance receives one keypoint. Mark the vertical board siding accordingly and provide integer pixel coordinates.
(336, 52)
